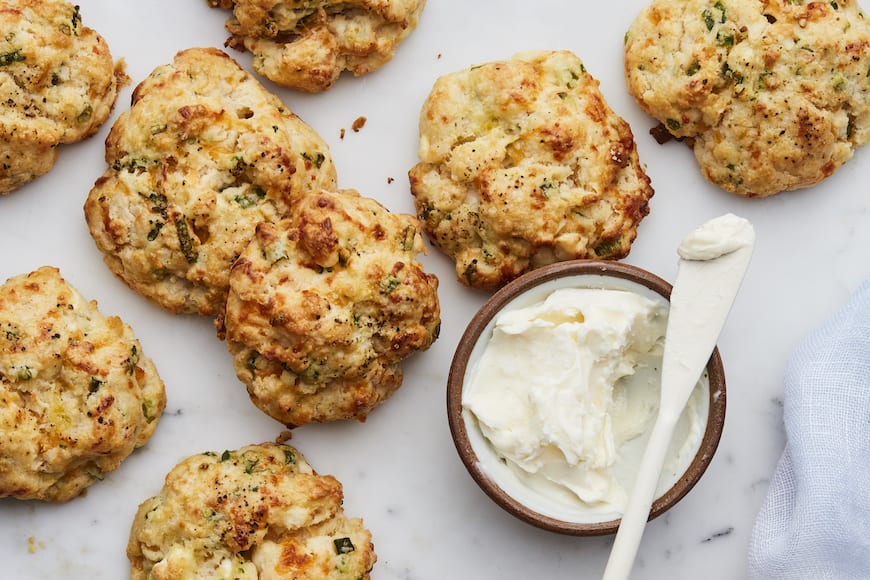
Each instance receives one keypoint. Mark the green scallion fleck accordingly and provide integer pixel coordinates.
(185, 242)
(148, 410)
(24, 373)
(470, 273)
(155, 231)
(546, 186)
(85, 115)
(251, 460)
(343, 545)
(225, 455)
(8, 58)
(608, 247)
(317, 158)
(724, 39)
(95, 385)
(708, 18)
(133, 360)
(389, 284)
(673, 124)
(251, 363)
(693, 68)
(245, 201)
(159, 202)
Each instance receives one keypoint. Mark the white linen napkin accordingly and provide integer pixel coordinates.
(815, 521)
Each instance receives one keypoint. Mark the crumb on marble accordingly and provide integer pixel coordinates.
(358, 124)
(33, 545)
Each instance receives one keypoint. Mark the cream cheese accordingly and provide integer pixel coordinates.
(564, 395)
(717, 237)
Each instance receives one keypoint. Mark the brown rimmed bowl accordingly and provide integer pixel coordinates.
(529, 289)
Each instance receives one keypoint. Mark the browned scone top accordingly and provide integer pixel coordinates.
(258, 512)
(307, 45)
(523, 163)
(324, 305)
(58, 84)
(77, 394)
(204, 154)
(771, 95)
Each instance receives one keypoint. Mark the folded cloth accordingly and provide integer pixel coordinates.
(815, 521)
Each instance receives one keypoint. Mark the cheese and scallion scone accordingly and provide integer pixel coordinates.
(77, 393)
(58, 85)
(523, 163)
(204, 154)
(324, 306)
(259, 512)
(307, 45)
(771, 96)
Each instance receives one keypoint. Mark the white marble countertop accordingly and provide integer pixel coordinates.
(400, 470)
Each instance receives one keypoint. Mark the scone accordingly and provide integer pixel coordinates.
(307, 45)
(77, 394)
(204, 154)
(522, 163)
(58, 84)
(324, 306)
(259, 512)
(771, 96)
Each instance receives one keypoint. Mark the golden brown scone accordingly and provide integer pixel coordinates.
(257, 513)
(58, 84)
(522, 164)
(77, 394)
(323, 307)
(204, 154)
(771, 95)
(306, 45)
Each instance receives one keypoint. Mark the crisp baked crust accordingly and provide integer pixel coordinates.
(257, 513)
(522, 163)
(58, 84)
(77, 393)
(324, 305)
(307, 45)
(771, 95)
(204, 154)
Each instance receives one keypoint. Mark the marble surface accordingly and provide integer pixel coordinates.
(400, 470)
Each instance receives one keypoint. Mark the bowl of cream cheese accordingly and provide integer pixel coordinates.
(554, 389)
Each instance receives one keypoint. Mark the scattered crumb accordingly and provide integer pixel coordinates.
(661, 134)
(358, 124)
(341, 133)
(284, 436)
(439, 55)
(390, 180)
(33, 545)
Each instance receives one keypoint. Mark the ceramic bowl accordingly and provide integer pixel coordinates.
(480, 458)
